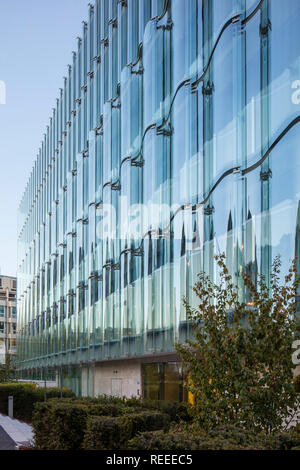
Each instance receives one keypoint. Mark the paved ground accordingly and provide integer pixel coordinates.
(14, 432)
(6, 442)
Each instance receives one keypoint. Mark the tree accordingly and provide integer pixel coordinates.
(239, 360)
(7, 370)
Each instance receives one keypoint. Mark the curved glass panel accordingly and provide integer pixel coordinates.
(153, 74)
(175, 137)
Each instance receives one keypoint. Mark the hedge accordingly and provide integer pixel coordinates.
(25, 396)
(60, 424)
(220, 438)
(297, 383)
(63, 424)
(108, 433)
(177, 411)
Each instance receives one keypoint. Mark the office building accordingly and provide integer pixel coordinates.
(175, 137)
(8, 318)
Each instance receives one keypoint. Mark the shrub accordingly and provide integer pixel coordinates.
(60, 424)
(25, 396)
(238, 362)
(103, 433)
(108, 433)
(297, 384)
(220, 438)
(102, 423)
(159, 440)
(94, 406)
(177, 411)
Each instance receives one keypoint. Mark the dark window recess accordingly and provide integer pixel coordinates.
(94, 291)
(81, 299)
(164, 381)
(62, 267)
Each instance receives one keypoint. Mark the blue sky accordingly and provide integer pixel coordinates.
(36, 41)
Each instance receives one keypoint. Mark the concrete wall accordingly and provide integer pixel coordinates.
(119, 378)
(85, 382)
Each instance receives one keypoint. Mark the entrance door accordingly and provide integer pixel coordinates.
(116, 387)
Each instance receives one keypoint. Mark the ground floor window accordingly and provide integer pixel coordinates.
(164, 381)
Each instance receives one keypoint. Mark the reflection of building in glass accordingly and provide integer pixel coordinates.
(185, 106)
(8, 317)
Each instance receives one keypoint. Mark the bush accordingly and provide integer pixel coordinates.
(93, 405)
(109, 433)
(238, 362)
(25, 396)
(63, 424)
(60, 424)
(297, 383)
(175, 410)
(159, 440)
(221, 438)
(103, 432)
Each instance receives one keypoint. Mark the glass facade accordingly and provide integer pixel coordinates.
(175, 137)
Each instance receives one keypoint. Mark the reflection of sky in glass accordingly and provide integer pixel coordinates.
(36, 42)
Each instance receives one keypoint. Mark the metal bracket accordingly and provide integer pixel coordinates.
(264, 29)
(98, 130)
(236, 170)
(116, 267)
(167, 132)
(116, 186)
(168, 26)
(208, 89)
(82, 286)
(104, 41)
(208, 210)
(84, 153)
(266, 175)
(97, 59)
(117, 105)
(113, 22)
(139, 71)
(138, 163)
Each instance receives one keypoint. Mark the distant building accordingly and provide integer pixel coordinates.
(8, 316)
